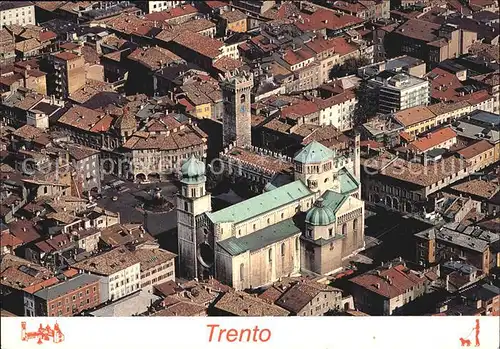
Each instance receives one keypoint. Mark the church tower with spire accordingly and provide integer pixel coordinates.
(196, 243)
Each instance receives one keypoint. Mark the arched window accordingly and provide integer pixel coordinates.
(297, 244)
(355, 224)
(242, 272)
(270, 255)
(282, 215)
(243, 98)
(283, 250)
(344, 229)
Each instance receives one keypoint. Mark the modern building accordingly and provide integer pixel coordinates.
(17, 12)
(399, 91)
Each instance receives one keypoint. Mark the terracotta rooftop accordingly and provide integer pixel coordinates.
(415, 115)
(475, 149)
(420, 30)
(173, 13)
(85, 119)
(109, 262)
(413, 172)
(234, 16)
(24, 230)
(293, 57)
(253, 158)
(21, 274)
(28, 45)
(478, 187)
(199, 43)
(66, 56)
(189, 136)
(152, 257)
(391, 283)
(153, 58)
(243, 304)
(227, 64)
(433, 139)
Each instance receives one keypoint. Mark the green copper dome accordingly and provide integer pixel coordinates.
(320, 215)
(193, 168)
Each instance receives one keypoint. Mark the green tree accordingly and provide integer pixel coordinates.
(349, 67)
(367, 105)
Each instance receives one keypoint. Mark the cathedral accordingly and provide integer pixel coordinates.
(309, 225)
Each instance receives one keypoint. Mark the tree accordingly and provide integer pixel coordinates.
(367, 105)
(349, 67)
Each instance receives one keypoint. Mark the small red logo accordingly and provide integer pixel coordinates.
(466, 342)
(43, 334)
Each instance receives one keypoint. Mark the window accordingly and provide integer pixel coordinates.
(297, 244)
(80, 294)
(344, 229)
(74, 297)
(355, 224)
(242, 270)
(87, 292)
(330, 232)
(270, 255)
(283, 250)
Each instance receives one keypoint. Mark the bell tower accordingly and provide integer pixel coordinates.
(236, 88)
(195, 242)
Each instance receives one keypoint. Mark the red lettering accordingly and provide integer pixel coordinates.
(255, 331)
(238, 335)
(220, 334)
(232, 335)
(249, 332)
(261, 335)
(212, 330)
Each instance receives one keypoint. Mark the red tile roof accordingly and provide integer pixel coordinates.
(433, 139)
(391, 282)
(326, 19)
(47, 35)
(301, 109)
(475, 149)
(66, 56)
(173, 13)
(9, 240)
(199, 43)
(293, 57)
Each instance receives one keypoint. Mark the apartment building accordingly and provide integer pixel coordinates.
(119, 272)
(399, 91)
(457, 242)
(338, 110)
(479, 154)
(67, 298)
(429, 41)
(17, 12)
(443, 138)
(403, 185)
(387, 289)
(157, 266)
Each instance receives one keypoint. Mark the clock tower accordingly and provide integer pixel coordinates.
(236, 88)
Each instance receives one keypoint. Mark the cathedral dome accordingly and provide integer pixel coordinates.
(193, 168)
(320, 215)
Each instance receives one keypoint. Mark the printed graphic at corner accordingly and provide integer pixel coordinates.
(42, 334)
(472, 337)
